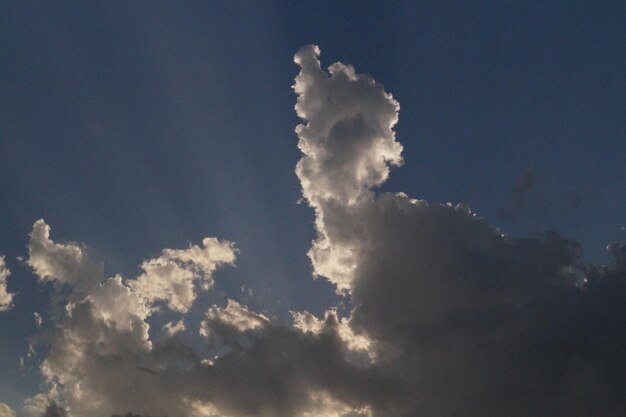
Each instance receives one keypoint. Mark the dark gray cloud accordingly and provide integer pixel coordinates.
(127, 415)
(54, 410)
(480, 324)
(474, 322)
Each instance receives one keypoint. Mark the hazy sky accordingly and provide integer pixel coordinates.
(130, 127)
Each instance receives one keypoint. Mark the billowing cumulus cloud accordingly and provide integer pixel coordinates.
(231, 326)
(474, 322)
(37, 405)
(101, 360)
(348, 144)
(174, 276)
(449, 316)
(61, 263)
(6, 298)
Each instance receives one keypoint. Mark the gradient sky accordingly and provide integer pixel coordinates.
(135, 126)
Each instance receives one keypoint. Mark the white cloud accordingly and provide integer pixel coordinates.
(174, 276)
(100, 359)
(171, 328)
(63, 264)
(41, 405)
(6, 298)
(6, 411)
(237, 316)
(38, 319)
(231, 326)
(358, 347)
(348, 145)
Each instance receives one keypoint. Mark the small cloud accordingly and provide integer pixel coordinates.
(38, 319)
(6, 298)
(171, 328)
(175, 276)
(6, 411)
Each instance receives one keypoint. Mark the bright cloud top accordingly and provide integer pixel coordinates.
(60, 263)
(6, 411)
(348, 144)
(174, 276)
(100, 348)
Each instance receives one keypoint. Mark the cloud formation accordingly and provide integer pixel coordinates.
(6, 298)
(348, 144)
(449, 316)
(62, 264)
(100, 344)
(474, 322)
(101, 359)
(6, 411)
(174, 276)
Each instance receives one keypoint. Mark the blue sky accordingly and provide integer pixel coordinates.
(135, 126)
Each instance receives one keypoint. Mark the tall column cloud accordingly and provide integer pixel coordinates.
(348, 145)
(474, 322)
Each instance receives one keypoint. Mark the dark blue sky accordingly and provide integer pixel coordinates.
(134, 126)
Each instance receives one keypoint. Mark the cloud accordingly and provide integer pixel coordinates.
(6, 298)
(61, 264)
(126, 415)
(449, 317)
(6, 411)
(54, 410)
(286, 372)
(171, 328)
(357, 347)
(348, 144)
(174, 276)
(232, 326)
(38, 319)
(101, 360)
(100, 340)
(41, 405)
(474, 322)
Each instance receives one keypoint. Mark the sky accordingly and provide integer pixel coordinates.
(172, 228)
